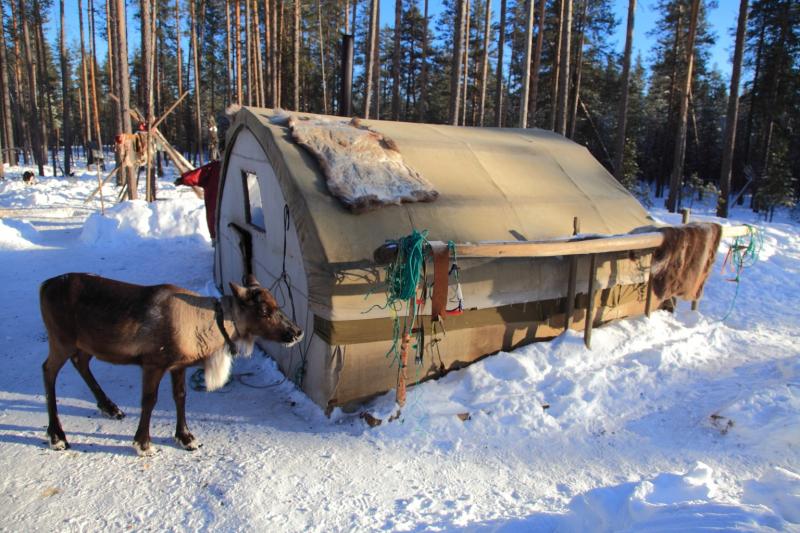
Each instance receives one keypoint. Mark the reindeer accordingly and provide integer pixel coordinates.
(160, 328)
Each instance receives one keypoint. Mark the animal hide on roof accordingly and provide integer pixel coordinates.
(681, 265)
(363, 169)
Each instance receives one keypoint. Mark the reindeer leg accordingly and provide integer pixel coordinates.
(50, 368)
(151, 377)
(81, 362)
(182, 434)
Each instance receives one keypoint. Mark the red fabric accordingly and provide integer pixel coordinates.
(206, 177)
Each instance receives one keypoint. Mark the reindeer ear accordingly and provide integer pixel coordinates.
(251, 281)
(238, 291)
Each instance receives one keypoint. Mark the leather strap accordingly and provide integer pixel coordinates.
(221, 325)
(441, 270)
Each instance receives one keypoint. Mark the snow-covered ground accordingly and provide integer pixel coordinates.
(677, 422)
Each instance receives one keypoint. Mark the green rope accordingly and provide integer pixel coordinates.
(402, 275)
(402, 278)
(744, 256)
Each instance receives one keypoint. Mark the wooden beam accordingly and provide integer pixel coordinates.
(581, 246)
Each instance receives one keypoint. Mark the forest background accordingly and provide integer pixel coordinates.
(681, 107)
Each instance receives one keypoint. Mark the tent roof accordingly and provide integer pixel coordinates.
(494, 184)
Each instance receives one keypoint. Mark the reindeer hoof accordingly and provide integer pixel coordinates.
(59, 444)
(145, 450)
(111, 411)
(187, 442)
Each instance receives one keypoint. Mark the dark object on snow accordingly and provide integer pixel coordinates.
(206, 177)
(681, 265)
(160, 328)
(29, 178)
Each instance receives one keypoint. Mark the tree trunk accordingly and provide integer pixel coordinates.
(258, 57)
(124, 87)
(196, 65)
(563, 80)
(537, 62)
(10, 153)
(322, 58)
(465, 85)
(732, 116)
(455, 77)
(487, 32)
(113, 70)
(296, 57)
(93, 81)
(45, 89)
(268, 74)
(34, 116)
(22, 112)
(501, 44)
(228, 62)
(147, 85)
(65, 99)
(237, 24)
(526, 76)
(87, 125)
(398, 25)
(673, 201)
(619, 155)
(576, 90)
(369, 60)
(376, 67)
(556, 67)
(423, 98)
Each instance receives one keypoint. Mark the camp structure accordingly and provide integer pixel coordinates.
(277, 220)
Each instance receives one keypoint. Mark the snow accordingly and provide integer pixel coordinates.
(679, 421)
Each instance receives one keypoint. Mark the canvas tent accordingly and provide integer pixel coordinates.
(276, 219)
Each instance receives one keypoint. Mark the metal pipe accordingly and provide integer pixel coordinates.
(346, 100)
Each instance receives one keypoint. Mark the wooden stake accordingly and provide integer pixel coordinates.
(686, 212)
(401, 372)
(649, 299)
(170, 110)
(99, 188)
(573, 274)
(587, 331)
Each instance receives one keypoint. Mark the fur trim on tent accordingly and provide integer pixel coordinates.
(363, 169)
(681, 265)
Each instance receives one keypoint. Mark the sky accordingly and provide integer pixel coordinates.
(721, 20)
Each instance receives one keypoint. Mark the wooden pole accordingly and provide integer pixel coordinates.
(553, 248)
(649, 299)
(401, 371)
(170, 110)
(587, 330)
(685, 214)
(573, 274)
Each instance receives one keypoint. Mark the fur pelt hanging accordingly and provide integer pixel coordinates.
(362, 168)
(682, 263)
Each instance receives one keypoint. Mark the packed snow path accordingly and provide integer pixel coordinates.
(679, 421)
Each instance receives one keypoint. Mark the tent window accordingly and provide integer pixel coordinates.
(254, 210)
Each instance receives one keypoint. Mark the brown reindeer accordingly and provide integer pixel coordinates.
(160, 328)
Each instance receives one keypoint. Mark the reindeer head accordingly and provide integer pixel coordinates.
(257, 314)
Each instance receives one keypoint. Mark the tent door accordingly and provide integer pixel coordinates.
(245, 248)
